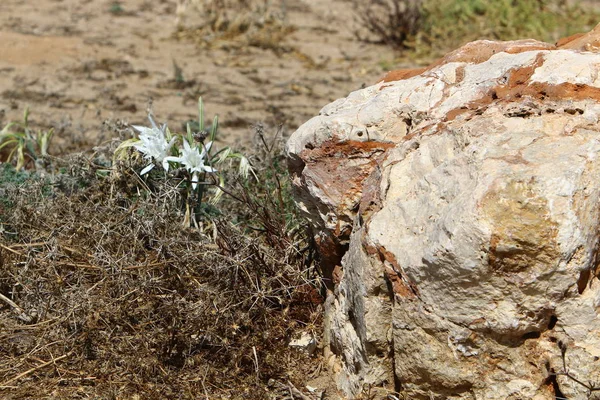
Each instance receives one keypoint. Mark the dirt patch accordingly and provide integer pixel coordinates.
(19, 49)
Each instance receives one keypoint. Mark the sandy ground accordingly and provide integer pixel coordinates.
(76, 64)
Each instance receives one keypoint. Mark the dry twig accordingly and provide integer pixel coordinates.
(32, 370)
(21, 314)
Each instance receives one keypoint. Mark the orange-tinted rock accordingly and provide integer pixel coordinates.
(482, 50)
(582, 41)
(474, 53)
(457, 210)
(400, 74)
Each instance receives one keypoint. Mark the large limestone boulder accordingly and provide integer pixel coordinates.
(457, 211)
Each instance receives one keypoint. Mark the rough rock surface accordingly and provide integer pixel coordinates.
(457, 211)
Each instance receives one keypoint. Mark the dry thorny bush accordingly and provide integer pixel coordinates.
(105, 295)
(392, 22)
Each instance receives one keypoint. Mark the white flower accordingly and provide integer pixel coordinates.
(193, 160)
(154, 145)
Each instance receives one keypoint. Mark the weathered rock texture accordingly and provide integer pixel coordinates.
(457, 210)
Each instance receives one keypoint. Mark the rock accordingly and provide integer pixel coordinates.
(306, 342)
(457, 212)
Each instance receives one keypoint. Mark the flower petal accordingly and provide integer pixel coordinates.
(208, 169)
(186, 146)
(173, 159)
(147, 169)
(140, 147)
(205, 149)
(165, 164)
(143, 130)
(154, 126)
(195, 180)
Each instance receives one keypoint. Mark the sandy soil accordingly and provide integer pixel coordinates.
(76, 64)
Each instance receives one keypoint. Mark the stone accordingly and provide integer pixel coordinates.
(456, 209)
(306, 342)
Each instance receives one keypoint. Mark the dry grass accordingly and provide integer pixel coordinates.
(392, 22)
(105, 295)
(234, 23)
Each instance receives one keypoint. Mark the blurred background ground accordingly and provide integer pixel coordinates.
(105, 293)
(77, 63)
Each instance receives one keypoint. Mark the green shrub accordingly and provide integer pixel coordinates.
(429, 28)
(454, 22)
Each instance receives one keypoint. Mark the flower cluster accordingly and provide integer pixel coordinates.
(156, 144)
(192, 152)
(193, 160)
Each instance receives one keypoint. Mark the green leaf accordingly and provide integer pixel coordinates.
(214, 128)
(20, 157)
(26, 117)
(43, 140)
(190, 136)
(200, 114)
(4, 130)
(8, 142)
(222, 154)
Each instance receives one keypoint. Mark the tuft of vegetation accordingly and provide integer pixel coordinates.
(105, 294)
(393, 22)
(194, 167)
(20, 144)
(116, 8)
(429, 28)
(10, 180)
(234, 24)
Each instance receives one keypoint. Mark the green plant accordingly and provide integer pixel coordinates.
(9, 176)
(13, 181)
(178, 73)
(267, 199)
(429, 28)
(191, 156)
(546, 20)
(18, 140)
(116, 8)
